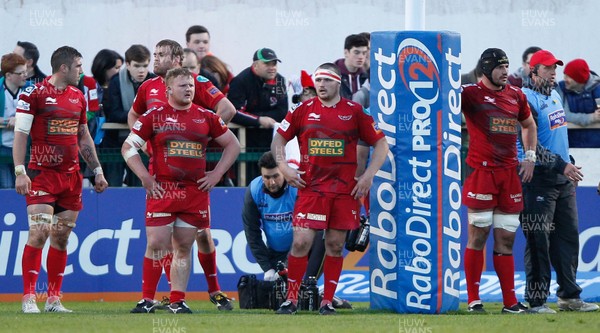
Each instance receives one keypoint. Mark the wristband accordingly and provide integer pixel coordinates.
(98, 171)
(20, 170)
(530, 156)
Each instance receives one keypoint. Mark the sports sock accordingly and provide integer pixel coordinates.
(332, 268)
(151, 271)
(176, 296)
(56, 263)
(296, 270)
(505, 269)
(30, 265)
(473, 268)
(208, 261)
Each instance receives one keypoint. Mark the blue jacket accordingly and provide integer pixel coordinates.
(552, 137)
(579, 108)
(274, 216)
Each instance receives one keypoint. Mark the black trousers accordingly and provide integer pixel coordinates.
(550, 224)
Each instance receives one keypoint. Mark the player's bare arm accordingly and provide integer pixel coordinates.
(223, 109)
(132, 117)
(364, 181)
(291, 175)
(231, 150)
(23, 125)
(88, 153)
(22, 181)
(129, 150)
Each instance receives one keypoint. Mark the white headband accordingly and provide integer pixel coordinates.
(327, 74)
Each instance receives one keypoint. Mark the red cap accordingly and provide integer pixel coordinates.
(545, 58)
(306, 80)
(578, 70)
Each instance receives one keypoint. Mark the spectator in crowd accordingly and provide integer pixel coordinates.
(362, 95)
(473, 76)
(12, 84)
(549, 218)
(356, 48)
(260, 96)
(178, 190)
(117, 101)
(105, 65)
(213, 67)
(218, 69)
(53, 193)
(580, 94)
(304, 89)
(197, 38)
(521, 78)
(367, 64)
(190, 61)
(31, 53)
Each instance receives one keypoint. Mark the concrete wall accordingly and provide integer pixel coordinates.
(303, 33)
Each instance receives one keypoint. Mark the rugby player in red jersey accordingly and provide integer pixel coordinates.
(177, 201)
(53, 114)
(492, 189)
(168, 54)
(328, 128)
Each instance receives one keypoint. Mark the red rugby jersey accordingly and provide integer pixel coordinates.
(327, 137)
(178, 139)
(57, 115)
(493, 122)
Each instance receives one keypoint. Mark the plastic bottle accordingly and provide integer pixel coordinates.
(312, 294)
(362, 239)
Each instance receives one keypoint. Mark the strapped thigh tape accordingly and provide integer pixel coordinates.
(39, 218)
(508, 222)
(481, 219)
(63, 221)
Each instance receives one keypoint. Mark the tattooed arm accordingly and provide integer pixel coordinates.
(88, 153)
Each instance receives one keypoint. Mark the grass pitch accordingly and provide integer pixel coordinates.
(115, 317)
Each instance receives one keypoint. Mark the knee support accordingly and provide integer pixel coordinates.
(508, 222)
(63, 221)
(40, 219)
(481, 219)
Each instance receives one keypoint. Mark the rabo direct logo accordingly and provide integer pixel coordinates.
(418, 69)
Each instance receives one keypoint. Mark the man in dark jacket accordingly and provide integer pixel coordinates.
(260, 97)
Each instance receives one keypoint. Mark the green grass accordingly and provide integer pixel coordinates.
(115, 317)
